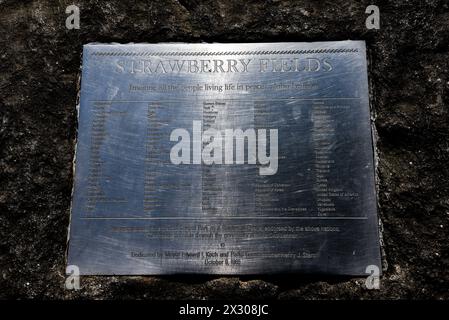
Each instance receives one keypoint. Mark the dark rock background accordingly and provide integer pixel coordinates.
(409, 73)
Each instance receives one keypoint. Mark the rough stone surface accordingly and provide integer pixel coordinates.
(409, 74)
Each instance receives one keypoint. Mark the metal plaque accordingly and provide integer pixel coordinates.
(224, 159)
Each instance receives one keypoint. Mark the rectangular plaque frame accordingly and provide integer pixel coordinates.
(157, 192)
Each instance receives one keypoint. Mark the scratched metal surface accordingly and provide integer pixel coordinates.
(135, 212)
